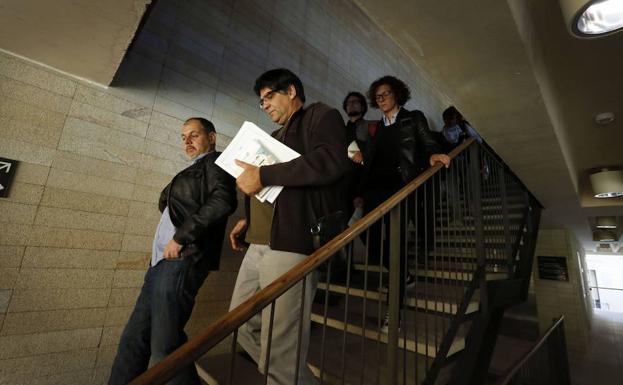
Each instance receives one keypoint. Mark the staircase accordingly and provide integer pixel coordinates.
(355, 348)
(468, 235)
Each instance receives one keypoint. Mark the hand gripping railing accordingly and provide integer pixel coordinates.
(442, 233)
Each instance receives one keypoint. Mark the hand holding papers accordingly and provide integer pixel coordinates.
(254, 146)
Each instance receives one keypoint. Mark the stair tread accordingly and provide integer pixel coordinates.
(460, 275)
(434, 297)
(372, 362)
(423, 331)
(214, 369)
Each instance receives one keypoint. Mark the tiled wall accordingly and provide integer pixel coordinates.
(77, 227)
(555, 298)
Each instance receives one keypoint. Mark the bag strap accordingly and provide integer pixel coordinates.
(310, 196)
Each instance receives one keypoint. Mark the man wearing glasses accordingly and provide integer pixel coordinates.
(401, 148)
(278, 235)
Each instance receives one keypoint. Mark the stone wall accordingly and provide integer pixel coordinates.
(77, 227)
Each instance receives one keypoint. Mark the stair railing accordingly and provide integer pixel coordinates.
(545, 363)
(405, 235)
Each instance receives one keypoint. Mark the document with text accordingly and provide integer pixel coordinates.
(255, 146)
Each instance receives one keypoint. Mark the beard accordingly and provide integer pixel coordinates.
(354, 113)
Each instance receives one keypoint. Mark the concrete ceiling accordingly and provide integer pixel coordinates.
(530, 89)
(85, 38)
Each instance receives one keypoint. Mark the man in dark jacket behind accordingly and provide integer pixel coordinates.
(279, 234)
(187, 244)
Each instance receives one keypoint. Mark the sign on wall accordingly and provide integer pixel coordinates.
(7, 170)
(554, 268)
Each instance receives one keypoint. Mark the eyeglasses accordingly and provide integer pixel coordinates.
(267, 97)
(381, 97)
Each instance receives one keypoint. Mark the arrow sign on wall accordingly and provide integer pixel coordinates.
(7, 170)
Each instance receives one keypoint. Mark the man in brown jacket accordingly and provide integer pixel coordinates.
(278, 235)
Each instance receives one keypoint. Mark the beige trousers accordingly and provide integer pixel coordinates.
(260, 267)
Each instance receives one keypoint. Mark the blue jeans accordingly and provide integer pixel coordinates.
(156, 326)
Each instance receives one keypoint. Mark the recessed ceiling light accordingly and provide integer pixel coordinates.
(593, 18)
(607, 183)
(606, 222)
(604, 118)
(604, 236)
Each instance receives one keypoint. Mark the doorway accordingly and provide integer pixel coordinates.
(605, 281)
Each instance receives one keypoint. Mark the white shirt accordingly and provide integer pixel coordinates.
(392, 119)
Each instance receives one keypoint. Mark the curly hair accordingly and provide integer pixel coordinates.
(399, 88)
(362, 101)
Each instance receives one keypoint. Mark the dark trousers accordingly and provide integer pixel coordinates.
(156, 326)
(417, 208)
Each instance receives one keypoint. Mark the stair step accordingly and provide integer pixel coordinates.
(214, 369)
(492, 253)
(461, 274)
(465, 276)
(445, 238)
(369, 368)
(445, 207)
(424, 296)
(424, 332)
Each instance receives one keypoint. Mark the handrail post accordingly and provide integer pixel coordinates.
(476, 182)
(394, 293)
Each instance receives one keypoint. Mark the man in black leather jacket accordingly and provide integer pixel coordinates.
(187, 245)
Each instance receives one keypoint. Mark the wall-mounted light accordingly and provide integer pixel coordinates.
(592, 18)
(607, 183)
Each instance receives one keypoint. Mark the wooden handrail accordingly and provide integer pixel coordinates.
(537, 345)
(188, 353)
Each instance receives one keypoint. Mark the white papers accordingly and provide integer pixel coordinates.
(353, 148)
(253, 145)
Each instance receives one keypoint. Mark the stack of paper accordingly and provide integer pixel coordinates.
(253, 145)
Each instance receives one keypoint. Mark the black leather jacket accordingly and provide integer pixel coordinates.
(417, 143)
(398, 153)
(200, 199)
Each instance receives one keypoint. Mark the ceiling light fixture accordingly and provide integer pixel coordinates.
(604, 118)
(604, 236)
(592, 18)
(607, 183)
(606, 222)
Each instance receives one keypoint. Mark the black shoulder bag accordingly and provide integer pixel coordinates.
(325, 225)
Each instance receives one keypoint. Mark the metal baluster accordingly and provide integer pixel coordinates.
(365, 301)
(490, 198)
(465, 245)
(379, 302)
(404, 232)
(270, 337)
(230, 378)
(417, 270)
(506, 223)
(348, 261)
(324, 323)
(438, 269)
(300, 332)
(478, 222)
(426, 271)
(394, 293)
